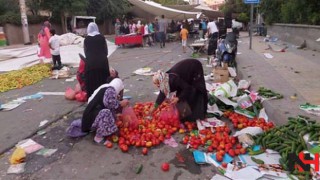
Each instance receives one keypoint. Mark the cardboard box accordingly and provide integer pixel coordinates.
(221, 75)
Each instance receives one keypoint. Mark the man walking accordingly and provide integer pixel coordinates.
(213, 37)
(162, 31)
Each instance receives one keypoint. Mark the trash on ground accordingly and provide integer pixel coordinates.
(171, 142)
(218, 159)
(219, 177)
(127, 97)
(263, 114)
(126, 90)
(11, 105)
(214, 110)
(46, 152)
(311, 109)
(146, 71)
(29, 146)
(42, 123)
(16, 168)
(139, 79)
(62, 73)
(266, 158)
(245, 139)
(232, 71)
(139, 169)
(268, 55)
(248, 172)
(156, 92)
(73, 78)
(244, 84)
(42, 132)
(34, 96)
(18, 156)
(268, 94)
(239, 53)
(200, 157)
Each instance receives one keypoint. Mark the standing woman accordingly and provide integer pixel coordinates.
(186, 78)
(97, 65)
(43, 40)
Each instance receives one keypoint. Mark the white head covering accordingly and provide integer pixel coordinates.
(116, 83)
(92, 29)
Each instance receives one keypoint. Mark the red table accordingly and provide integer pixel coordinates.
(122, 40)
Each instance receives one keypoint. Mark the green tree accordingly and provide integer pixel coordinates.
(107, 9)
(34, 6)
(170, 2)
(63, 8)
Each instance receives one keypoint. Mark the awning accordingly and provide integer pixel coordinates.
(158, 10)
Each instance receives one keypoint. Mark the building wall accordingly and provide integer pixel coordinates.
(296, 34)
(14, 33)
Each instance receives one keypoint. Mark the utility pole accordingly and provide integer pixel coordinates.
(24, 22)
(251, 25)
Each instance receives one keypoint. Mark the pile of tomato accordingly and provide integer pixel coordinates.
(217, 140)
(239, 121)
(148, 132)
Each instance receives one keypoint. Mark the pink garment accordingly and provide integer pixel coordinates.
(44, 43)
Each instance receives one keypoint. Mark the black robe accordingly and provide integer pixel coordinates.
(187, 79)
(97, 65)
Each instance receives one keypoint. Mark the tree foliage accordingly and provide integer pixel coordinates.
(280, 11)
(170, 2)
(107, 9)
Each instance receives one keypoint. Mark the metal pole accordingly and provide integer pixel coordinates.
(24, 22)
(251, 26)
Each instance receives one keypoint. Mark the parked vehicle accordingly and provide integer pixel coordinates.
(79, 24)
(227, 49)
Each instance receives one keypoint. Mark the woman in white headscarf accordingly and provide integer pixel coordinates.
(100, 114)
(97, 65)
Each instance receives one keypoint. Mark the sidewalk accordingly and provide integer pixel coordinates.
(291, 72)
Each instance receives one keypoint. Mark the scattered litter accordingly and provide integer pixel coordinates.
(232, 71)
(52, 93)
(42, 123)
(249, 130)
(26, 110)
(244, 173)
(214, 109)
(200, 157)
(303, 45)
(267, 158)
(71, 79)
(245, 112)
(172, 62)
(246, 139)
(311, 109)
(210, 122)
(62, 73)
(42, 132)
(244, 84)
(139, 79)
(318, 40)
(18, 156)
(144, 71)
(244, 101)
(226, 158)
(272, 170)
(171, 142)
(263, 114)
(277, 50)
(239, 52)
(29, 146)
(219, 177)
(74, 130)
(166, 51)
(139, 169)
(179, 55)
(11, 105)
(16, 168)
(46, 152)
(268, 55)
(156, 92)
(209, 65)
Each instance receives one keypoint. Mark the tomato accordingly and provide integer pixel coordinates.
(243, 150)
(238, 146)
(109, 144)
(145, 151)
(148, 144)
(165, 166)
(219, 157)
(224, 165)
(231, 153)
(124, 148)
(210, 149)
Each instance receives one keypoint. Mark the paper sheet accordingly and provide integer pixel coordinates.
(29, 146)
(214, 109)
(268, 55)
(244, 174)
(52, 93)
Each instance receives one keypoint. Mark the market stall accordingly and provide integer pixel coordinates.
(129, 39)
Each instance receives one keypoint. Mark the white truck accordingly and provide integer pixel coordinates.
(79, 24)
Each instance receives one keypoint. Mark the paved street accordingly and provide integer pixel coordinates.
(291, 72)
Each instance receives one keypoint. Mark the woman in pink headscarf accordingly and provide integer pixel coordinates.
(43, 40)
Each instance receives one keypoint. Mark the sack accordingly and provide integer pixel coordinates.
(130, 119)
(183, 109)
(81, 96)
(70, 94)
(170, 116)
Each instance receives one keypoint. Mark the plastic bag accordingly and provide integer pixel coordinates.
(70, 94)
(81, 96)
(170, 116)
(130, 119)
(77, 88)
(18, 156)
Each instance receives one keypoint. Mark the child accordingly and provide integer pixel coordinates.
(55, 50)
(184, 36)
